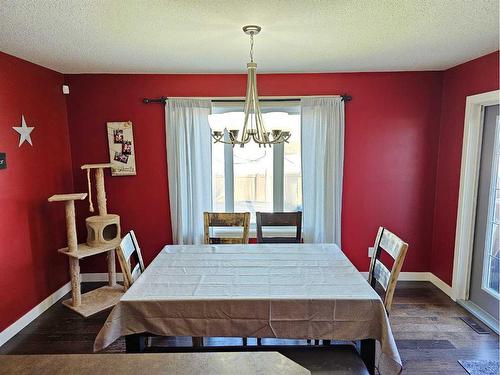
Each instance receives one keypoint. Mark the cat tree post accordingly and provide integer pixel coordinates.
(70, 224)
(103, 210)
(101, 192)
(74, 265)
(111, 268)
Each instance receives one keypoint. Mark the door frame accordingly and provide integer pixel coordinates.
(467, 199)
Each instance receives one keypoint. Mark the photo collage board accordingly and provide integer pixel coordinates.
(121, 148)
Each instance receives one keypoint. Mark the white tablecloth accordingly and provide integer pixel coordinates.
(260, 290)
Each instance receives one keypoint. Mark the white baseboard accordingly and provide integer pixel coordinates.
(423, 276)
(445, 288)
(414, 276)
(34, 313)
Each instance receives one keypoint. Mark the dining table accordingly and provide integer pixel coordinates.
(295, 291)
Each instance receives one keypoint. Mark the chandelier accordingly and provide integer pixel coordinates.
(253, 124)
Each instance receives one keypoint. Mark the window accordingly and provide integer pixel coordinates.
(491, 267)
(253, 178)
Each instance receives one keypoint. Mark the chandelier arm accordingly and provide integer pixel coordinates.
(235, 141)
(247, 102)
(286, 138)
(229, 142)
(258, 114)
(244, 140)
(245, 126)
(281, 138)
(259, 141)
(252, 107)
(259, 125)
(277, 142)
(218, 139)
(262, 126)
(265, 142)
(254, 139)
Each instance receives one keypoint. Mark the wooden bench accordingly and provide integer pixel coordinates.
(152, 364)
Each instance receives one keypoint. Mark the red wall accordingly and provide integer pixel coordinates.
(402, 161)
(392, 128)
(31, 229)
(474, 77)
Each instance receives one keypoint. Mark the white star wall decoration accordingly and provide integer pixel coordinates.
(24, 132)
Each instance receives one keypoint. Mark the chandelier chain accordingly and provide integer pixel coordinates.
(251, 47)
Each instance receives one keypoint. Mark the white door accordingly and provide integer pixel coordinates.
(484, 281)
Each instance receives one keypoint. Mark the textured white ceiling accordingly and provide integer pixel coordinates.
(204, 36)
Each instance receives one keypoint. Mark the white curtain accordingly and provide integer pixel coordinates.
(322, 168)
(189, 167)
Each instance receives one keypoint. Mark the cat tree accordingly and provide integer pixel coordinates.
(104, 228)
(103, 236)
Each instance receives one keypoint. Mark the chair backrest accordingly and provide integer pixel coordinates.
(226, 219)
(127, 251)
(279, 219)
(396, 248)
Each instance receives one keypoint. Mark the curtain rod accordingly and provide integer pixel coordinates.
(162, 100)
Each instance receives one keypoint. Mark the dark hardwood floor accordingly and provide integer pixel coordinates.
(426, 324)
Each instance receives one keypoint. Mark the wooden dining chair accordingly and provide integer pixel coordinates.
(226, 219)
(130, 258)
(396, 248)
(279, 219)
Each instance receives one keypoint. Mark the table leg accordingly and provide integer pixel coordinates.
(135, 343)
(367, 352)
(111, 268)
(197, 342)
(74, 270)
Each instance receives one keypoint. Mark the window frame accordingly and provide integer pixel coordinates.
(278, 170)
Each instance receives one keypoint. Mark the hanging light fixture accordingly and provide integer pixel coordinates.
(253, 124)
